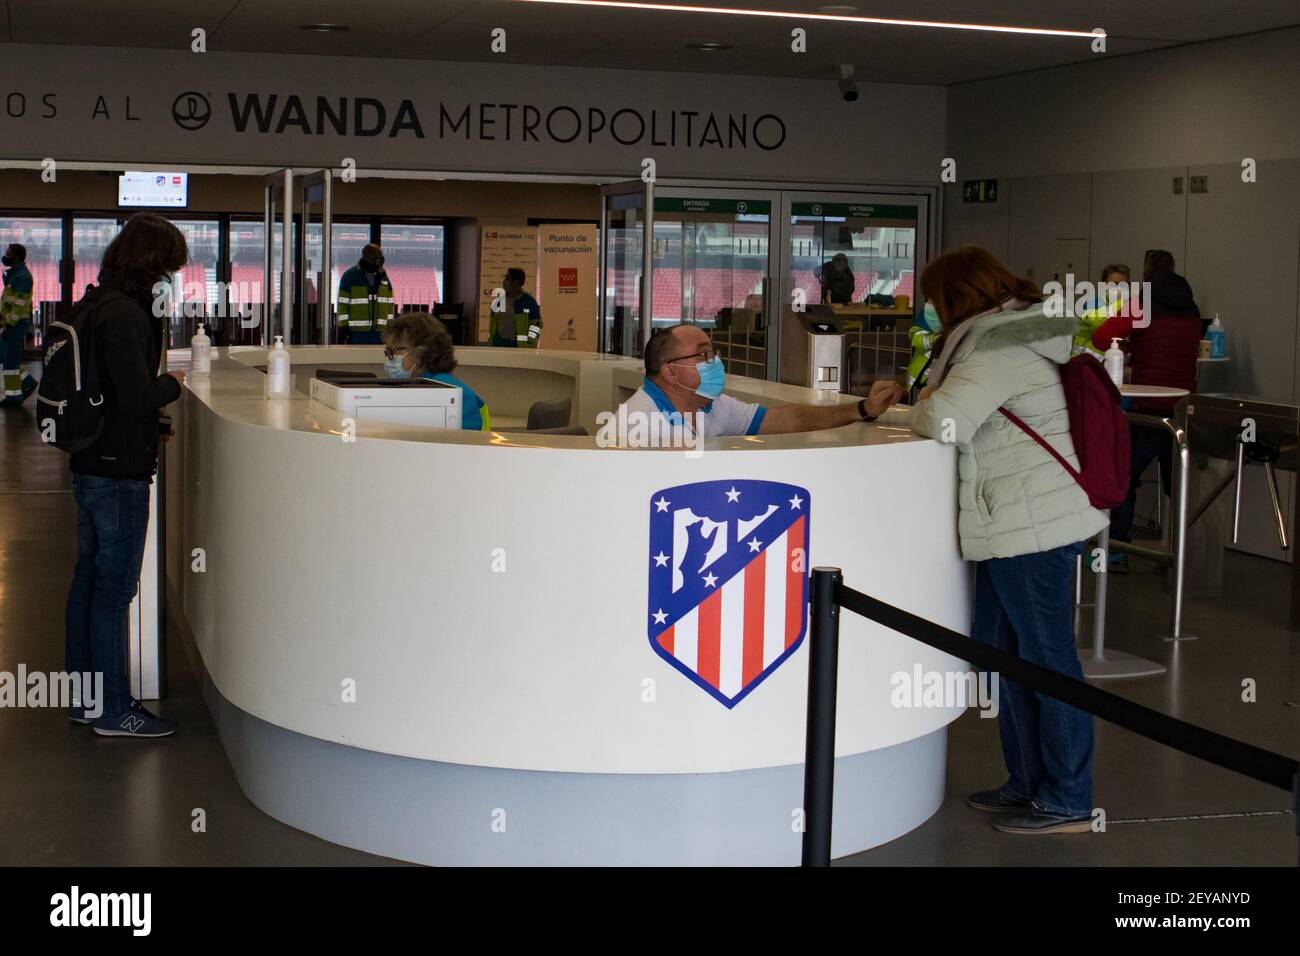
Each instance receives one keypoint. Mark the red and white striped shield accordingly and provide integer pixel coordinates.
(728, 593)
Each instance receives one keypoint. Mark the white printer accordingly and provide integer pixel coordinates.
(411, 401)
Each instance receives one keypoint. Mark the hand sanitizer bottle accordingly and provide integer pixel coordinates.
(200, 352)
(1115, 363)
(1215, 335)
(277, 370)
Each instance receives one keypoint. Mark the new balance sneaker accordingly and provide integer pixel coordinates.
(996, 801)
(1037, 820)
(77, 714)
(135, 721)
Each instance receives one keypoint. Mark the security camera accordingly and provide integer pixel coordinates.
(848, 88)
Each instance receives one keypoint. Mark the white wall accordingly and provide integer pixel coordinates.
(1210, 102)
(1090, 152)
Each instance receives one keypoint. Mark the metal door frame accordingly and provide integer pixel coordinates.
(924, 228)
(280, 189)
(646, 277)
(317, 187)
(278, 195)
(767, 194)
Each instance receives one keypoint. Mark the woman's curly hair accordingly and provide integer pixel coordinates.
(426, 337)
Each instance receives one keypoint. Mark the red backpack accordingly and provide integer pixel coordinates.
(1099, 431)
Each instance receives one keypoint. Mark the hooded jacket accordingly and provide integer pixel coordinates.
(1165, 351)
(130, 343)
(1013, 497)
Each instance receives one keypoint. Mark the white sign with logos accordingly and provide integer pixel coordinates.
(153, 189)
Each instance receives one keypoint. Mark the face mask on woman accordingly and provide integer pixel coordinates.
(394, 367)
(930, 317)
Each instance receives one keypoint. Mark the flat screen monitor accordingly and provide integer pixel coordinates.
(153, 189)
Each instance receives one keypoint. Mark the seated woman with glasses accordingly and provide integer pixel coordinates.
(415, 343)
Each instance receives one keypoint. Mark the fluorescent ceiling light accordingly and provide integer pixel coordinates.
(832, 17)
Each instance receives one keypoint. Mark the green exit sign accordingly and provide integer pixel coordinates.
(979, 190)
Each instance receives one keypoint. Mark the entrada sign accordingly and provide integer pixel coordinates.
(857, 210)
(739, 207)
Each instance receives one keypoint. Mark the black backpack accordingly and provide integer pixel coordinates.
(70, 408)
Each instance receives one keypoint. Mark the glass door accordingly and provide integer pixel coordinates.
(90, 237)
(622, 233)
(43, 237)
(194, 286)
(712, 268)
(314, 315)
(244, 296)
(278, 257)
(413, 258)
(854, 257)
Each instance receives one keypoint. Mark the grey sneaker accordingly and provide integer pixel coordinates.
(1036, 820)
(135, 721)
(995, 801)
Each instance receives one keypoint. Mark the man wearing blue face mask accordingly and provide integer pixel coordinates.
(684, 383)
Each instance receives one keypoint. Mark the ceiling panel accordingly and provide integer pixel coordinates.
(646, 40)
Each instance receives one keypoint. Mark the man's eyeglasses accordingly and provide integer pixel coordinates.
(704, 355)
(390, 352)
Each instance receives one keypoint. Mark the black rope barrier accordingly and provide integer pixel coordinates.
(828, 593)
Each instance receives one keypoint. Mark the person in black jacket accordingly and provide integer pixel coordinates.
(111, 478)
(837, 280)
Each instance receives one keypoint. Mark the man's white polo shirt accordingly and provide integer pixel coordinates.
(722, 416)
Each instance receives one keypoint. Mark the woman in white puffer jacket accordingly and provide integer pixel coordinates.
(1021, 517)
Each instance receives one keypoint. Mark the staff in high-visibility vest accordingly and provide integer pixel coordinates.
(365, 299)
(1106, 304)
(15, 322)
(923, 334)
(519, 325)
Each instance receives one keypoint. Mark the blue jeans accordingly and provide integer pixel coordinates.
(1147, 445)
(112, 518)
(1025, 606)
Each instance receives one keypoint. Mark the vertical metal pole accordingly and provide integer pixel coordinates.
(647, 265)
(603, 323)
(268, 261)
(1178, 528)
(819, 752)
(325, 290)
(1099, 599)
(1295, 794)
(286, 261)
(1271, 480)
(1236, 503)
(160, 516)
(1078, 594)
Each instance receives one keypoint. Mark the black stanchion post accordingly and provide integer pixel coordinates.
(819, 752)
(1295, 799)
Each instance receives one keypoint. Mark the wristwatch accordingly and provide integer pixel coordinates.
(863, 413)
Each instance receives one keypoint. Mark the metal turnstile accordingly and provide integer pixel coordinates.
(1248, 431)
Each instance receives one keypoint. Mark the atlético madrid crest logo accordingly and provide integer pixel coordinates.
(728, 581)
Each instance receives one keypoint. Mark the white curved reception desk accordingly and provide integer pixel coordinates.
(477, 648)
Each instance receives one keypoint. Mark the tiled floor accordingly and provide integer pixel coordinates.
(68, 797)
